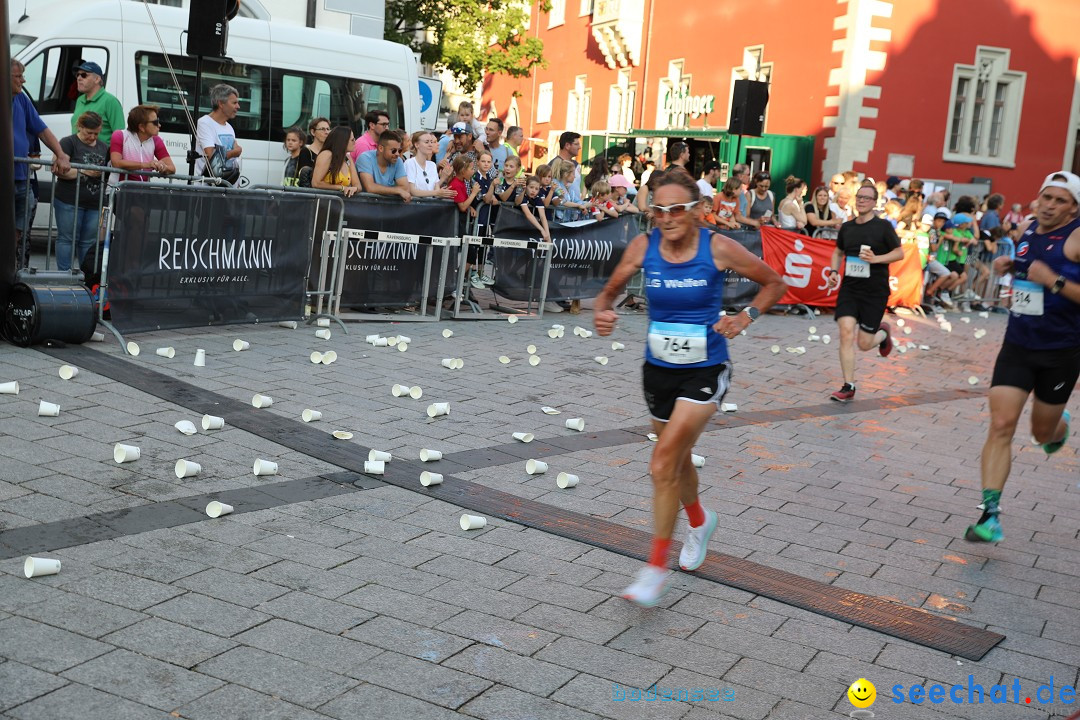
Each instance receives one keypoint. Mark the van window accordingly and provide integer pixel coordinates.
(156, 87)
(343, 100)
(50, 76)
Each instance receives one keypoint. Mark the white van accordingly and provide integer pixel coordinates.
(285, 74)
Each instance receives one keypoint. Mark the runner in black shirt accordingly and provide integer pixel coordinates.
(865, 246)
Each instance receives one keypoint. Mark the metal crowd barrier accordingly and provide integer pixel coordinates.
(537, 249)
(326, 293)
(51, 227)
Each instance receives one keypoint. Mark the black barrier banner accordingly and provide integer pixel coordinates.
(391, 274)
(739, 291)
(585, 255)
(188, 257)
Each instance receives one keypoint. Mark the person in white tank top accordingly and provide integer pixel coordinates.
(790, 213)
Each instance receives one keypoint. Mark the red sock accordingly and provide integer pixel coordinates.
(660, 548)
(696, 513)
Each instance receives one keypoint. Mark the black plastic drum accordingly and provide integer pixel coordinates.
(36, 313)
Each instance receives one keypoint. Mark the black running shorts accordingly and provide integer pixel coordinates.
(701, 385)
(866, 308)
(1052, 374)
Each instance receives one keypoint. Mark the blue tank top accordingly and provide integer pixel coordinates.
(685, 300)
(1059, 324)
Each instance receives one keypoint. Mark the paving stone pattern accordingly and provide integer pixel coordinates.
(374, 603)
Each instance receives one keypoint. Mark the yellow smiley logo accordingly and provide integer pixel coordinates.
(862, 693)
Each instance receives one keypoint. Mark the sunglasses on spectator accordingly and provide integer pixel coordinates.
(837, 182)
(386, 123)
(676, 211)
(394, 151)
(81, 75)
(871, 198)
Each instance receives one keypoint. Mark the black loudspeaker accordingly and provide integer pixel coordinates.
(748, 103)
(208, 26)
(36, 313)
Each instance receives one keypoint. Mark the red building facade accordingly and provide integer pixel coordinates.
(953, 90)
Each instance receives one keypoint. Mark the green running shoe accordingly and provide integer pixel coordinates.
(1052, 447)
(989, 530)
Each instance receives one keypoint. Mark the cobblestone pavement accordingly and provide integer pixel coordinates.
(357, 602)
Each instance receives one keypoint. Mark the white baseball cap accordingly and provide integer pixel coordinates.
(1071, 183)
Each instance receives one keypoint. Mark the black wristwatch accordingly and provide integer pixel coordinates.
(1058, 285)
(752, 312)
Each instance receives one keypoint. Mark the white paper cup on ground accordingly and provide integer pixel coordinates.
(826, 339)
(342, 435)
(536, 467)
(427, 479)
(48, 409)
(404, 339)
(474, 522)
(200, 358)
(524, 437)
(774, 349)
(534, 360)
(374, 467)
(566, 480)
(125, 453)
(812, 330)
(586, 333)
(186, 468)
(399, 390)
(264, 467)
(212, 422)
(437, 409)
(728, 407)
(512, 319)
(323, 322)
(287, 324)
(380, 342)
(370, 339)
(217, 509)
(9, 388)
(459, 363)
(262, 401)
(551, 411)
(133, 348)
(315, 357)
(187, 427)
(402, 347)
(531, 349)
(97, 337)
(166, 352)
(504, 359)
(653, 437)
(697, 460)
(240, 345)
(311, 415)
(329, 357)
(553, 333)
(576, 424)
(322, 334)
(381, 455)
(616, 345)
(601, 359)
(973, 380)
(68, 371)
(447, 333)
(38, 567)
(449, 363)
(429, 455)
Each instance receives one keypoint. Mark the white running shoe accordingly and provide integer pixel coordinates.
(696, 544)
(649, 586)
(474, 280)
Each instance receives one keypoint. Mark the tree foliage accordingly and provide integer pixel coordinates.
(467, 37)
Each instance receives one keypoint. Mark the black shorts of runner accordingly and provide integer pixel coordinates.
(866, 308)
(700, 385)
(1052, 374)
(957, 267)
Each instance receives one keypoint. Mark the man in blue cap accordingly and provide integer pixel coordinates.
(93, 96)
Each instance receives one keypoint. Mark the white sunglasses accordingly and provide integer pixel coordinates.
(676, 210)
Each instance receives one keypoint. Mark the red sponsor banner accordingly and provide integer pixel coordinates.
(906, 278)
(803, 264)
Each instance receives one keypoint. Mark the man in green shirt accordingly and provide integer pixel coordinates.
(93, 96)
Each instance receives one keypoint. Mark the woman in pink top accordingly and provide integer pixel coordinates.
(139, 146)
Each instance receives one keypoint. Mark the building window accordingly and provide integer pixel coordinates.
(577, 105)
(544, 96)
(557, 14)
(621, 103)
(984, 110)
